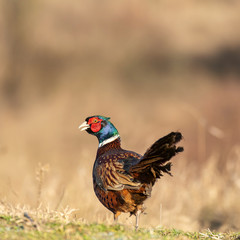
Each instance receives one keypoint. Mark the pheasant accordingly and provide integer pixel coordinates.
(123, 179)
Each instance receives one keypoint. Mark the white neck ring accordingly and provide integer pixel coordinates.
(111, 139)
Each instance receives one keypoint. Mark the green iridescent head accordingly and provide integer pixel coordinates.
(100, 127)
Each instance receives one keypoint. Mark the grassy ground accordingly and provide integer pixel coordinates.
(15, 227)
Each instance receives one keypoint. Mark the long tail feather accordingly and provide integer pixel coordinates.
(155, 161)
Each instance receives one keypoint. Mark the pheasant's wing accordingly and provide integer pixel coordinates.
(156, 159)
(111, 172)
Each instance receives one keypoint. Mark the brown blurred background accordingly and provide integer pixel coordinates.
(153, 67)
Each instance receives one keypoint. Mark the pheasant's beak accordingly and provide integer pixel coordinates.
(84, 126)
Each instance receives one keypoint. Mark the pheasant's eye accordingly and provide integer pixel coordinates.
(95, 120)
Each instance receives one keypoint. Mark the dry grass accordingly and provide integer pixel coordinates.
(154, 68)
(21, 222)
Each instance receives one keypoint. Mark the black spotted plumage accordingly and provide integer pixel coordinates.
(123, 179)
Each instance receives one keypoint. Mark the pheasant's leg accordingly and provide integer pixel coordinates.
(116, 217)
(137, 219)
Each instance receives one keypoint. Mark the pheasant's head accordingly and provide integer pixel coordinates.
(101, 127)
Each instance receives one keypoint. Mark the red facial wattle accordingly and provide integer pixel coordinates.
(95, 127)
(95, 124)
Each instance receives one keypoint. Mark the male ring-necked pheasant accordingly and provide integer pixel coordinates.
(123, 179)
